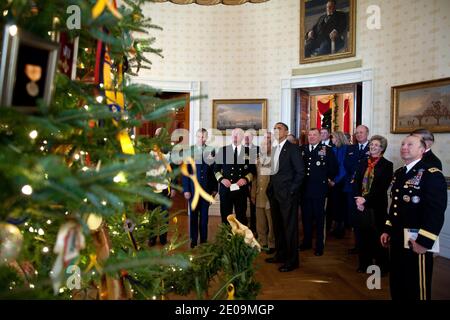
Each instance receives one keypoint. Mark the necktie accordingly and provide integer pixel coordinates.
(361, 148)
(311, 148)
(235, 155)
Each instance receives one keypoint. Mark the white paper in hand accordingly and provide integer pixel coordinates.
(234, 187)
(409, 234)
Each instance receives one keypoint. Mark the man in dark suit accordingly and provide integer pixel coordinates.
(330, 27)
(234, 171)
(325, 136)
(428, 157)
(415, 219)
(203, 156)
(283, 192)
(356, 153)
(254, 153)
(321, 167)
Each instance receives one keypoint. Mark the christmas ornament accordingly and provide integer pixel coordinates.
(10, 242)
(94, 221)
(198, 190)
(243, 230)
(101, 5)
(230, 292)
(69, 242)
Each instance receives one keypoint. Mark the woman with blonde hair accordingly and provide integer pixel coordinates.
(337, 201)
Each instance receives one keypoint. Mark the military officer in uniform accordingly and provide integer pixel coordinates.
(203, 156)
(415, 218)
(234, 170)
(321, 167)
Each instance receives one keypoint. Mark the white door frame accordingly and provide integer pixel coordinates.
(327, 79)
(191, 87)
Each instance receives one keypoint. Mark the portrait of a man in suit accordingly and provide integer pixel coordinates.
(326, 27)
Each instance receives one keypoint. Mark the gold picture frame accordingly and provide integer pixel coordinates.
(313, 15)
(421, 105)
(239, 113)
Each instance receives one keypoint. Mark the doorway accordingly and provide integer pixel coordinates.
(336, 107)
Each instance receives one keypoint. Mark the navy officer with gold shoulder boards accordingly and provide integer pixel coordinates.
(415, 218)
(234, 170)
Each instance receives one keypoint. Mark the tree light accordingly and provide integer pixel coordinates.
(49, 221)
(99, 99)
(27, 190)
(45, 249)
(120, 177)
(40, 232)
(12, 30)
(33, 134)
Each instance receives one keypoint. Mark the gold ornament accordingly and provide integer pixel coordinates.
(94, 221)
(10, 242)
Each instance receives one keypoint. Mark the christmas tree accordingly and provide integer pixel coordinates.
(74, 173)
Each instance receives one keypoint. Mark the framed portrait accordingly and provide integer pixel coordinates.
(421, 105)
(27, 69)
(240, 113)
(327, 30)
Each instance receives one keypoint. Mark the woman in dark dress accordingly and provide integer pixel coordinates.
(372, 181)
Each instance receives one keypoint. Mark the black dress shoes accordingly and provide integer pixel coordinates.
(274, 260)
(287, 267)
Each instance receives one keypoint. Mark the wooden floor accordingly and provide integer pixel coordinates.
(332, 276)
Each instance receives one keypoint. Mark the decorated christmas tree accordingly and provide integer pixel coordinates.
(75, 174)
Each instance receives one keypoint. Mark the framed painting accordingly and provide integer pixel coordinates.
(27, 69)
(421, 105)
(327, 30)
(240, 113)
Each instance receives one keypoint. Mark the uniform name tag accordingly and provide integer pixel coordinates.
(411, 234)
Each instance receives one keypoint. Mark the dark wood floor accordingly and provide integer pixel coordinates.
(332, 276)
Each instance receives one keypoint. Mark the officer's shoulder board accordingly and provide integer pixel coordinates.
(433, 170)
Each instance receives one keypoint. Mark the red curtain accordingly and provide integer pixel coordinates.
(347, 116)
(321, 109)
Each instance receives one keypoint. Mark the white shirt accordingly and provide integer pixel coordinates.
(312, 147)
(276, 156)
(239, 148)
(363, 145)
(412, 164)
(326, 142)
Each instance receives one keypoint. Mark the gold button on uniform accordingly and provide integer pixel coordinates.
(396, 198)
(395, 213)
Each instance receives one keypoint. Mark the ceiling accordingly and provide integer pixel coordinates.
(212, 2)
